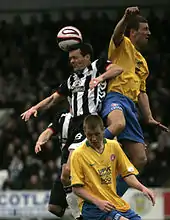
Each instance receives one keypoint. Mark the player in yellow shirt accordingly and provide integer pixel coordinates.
(124, 91)
(94, 167)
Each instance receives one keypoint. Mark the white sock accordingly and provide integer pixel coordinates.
(72, 201)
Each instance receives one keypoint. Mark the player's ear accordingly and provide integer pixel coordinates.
(88, 57)
(132, 32)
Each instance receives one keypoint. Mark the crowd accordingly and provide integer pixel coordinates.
(32, 66)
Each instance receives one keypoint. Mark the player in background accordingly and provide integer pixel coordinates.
(59, 127)
(94, 167)
(130, 36)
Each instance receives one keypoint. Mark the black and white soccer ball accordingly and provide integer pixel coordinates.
(68, 36)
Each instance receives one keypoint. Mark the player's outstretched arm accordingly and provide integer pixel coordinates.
(120, 28)
(113, 71)
(144, 106)
(132, 181)
(46, 103)
(42, 139)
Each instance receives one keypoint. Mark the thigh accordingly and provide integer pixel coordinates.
(116, 117)
(110, 103)
(133, 131)
(58, 196)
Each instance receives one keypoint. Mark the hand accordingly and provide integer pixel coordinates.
(130, 11)
(149, 194)
(38, 147)
(27, 114)
(104, 205)
(152, 121)
(94, 82)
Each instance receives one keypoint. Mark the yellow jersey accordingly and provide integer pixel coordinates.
(133, 79)
(97, 172)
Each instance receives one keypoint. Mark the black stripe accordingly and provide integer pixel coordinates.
(85, 96)
(74, 96)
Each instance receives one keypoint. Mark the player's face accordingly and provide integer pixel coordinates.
(94, 136)
(142, 35)
(77, 60)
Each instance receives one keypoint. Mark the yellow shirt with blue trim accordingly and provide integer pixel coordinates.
(97, 172)
(133, 79)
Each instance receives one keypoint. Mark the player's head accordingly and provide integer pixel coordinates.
(94, 130)
(80, 56)
(138, 31)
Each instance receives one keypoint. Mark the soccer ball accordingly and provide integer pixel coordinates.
(68, 36)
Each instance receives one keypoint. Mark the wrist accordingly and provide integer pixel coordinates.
(96, 202)
(141, 188)
(149, 118)
(101, 78)
(34, 108)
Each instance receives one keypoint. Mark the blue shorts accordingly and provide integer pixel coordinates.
(133, 130)
(92, 212)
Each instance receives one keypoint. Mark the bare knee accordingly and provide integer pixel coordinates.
(116, 122)
(56, 210)
(137, 153)
(117, 126)
(139, 161)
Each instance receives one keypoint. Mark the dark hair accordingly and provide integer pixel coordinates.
(92, 121)
(85, 49)
(134, 23)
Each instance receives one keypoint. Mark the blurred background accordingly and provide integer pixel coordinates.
(31, 68)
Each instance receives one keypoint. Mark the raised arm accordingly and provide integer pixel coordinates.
(45, 104)
(144, 106)
(120, 28)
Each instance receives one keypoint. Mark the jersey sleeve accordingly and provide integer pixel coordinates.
(63, 89)
(143, 86)
(102, 65)
(113, 50)
(77, 175)
(124, 166)
(55, 125)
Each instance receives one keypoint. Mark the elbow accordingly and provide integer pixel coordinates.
(120, 70)
(117, 70)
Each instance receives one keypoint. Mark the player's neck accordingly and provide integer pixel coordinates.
(135, 44)
(99, 148)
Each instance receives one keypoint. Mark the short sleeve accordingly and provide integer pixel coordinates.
(124, 166)
(55, 125)
(77, 175)
(113, 50)
(63, 89)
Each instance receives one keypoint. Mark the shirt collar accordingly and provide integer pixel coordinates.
(83, 72)
(88, 144)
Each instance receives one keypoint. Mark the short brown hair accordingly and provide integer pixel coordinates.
(92, 121)
(134, 23)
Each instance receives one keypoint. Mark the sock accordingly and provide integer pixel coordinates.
(108, 134)
(122, 186)
(72, 201)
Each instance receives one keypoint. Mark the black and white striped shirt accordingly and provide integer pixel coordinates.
(60, 127)
(82, 100)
